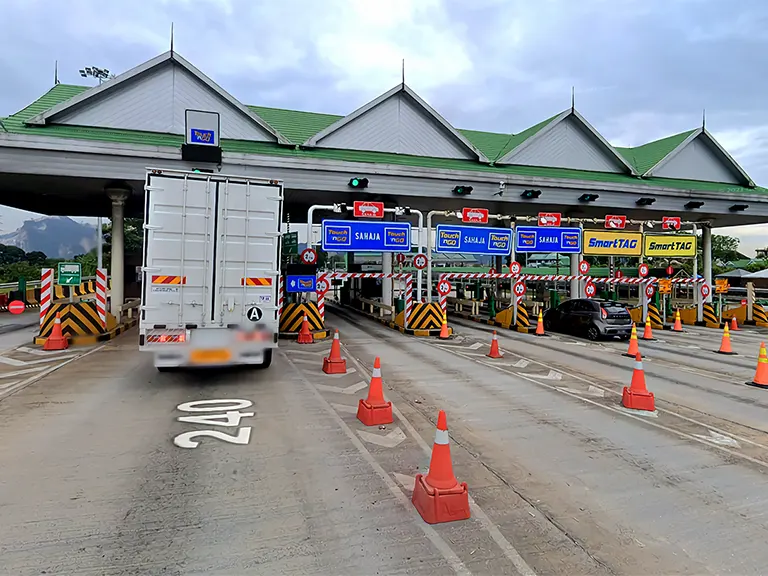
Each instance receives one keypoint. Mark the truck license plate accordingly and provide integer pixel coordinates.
(210, 356)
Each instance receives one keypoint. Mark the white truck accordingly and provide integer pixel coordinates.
(210, 274)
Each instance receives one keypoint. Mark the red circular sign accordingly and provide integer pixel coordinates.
(444, 288)
(705, 289)
(492, 271)
(420, 261)
(619, 274)
(670, 270)
(400, 258)
(520, 289)
(321, 287)
(584, 267)
(515, 268)
(16, 307)
(590, 290)
(650, 290)
(643, 270)
(744, 302)
(309, 256)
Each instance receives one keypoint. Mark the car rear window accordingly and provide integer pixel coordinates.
(612, 308)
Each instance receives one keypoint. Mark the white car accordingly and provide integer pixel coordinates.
(373, 210)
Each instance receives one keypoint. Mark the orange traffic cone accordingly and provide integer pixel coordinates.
(540, 325)
(678, 326)
(444, 333)
(725, 343)
(761, 374)
(334, 363)
(438, 496)
(494, 353)
(637, 397)
(374, 410)
(648, 333)
(734, 325)
(633, 349)
(305, 336)
(56, 340)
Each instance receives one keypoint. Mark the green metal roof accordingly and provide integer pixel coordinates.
(299, 126)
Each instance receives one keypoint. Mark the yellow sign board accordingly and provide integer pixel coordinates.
(721, 286)
(601, 243)
(665, 286)
(670, 245)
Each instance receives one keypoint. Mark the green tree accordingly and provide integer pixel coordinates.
(134, 239)
(724, 248)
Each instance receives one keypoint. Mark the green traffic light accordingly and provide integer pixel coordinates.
(355, 182)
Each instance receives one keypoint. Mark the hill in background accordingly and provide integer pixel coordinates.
(54, 236)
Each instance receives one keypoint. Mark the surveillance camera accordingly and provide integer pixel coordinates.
(502, 186)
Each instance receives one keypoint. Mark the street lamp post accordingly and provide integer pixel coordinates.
(100, 74)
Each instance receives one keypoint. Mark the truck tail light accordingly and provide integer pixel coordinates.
(168, 336)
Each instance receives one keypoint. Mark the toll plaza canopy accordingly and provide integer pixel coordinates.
(61, 153)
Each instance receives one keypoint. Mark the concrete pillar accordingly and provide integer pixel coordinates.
(117, 268)
(386, 283)
(706, 252)
(575, 259)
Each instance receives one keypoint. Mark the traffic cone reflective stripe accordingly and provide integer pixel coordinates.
(540, 325)
(678, 326)
(734, 325)
(438, 496)
(495, 353)
(634, 348)
(637, 397)
(305, 336)
(648, 333)
(725, 343)
(375, 410)
(761, 374)
(334, 363)
(56, 340)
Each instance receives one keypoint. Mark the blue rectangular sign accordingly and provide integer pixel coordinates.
(547, 239)
(300, 283)
(473, 240)
(203, 136)
(359, 236)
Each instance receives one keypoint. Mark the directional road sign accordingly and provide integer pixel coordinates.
(291, 243)
(473, 240)
(70, 274)
(300, 283)
(363, 236)
(548, 239)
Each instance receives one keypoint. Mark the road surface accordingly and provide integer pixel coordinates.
(101, 476)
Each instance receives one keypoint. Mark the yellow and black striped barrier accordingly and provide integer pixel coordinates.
(293, 316)
(426, 316)
(523, 320)
(710, 319)
(655, 316)
(80, 322)
(759, 317)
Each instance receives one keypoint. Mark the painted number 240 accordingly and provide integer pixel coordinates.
(228, 416)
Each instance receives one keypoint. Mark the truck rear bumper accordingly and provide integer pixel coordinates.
(181, 357)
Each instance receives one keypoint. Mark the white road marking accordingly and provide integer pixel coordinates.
(407, 482)
(344, 408)
(15, 362)
(591, 391)
(353, 389)
(442, 546)
(297, 351)
(8, 384)
(349, 371)
(391, 440)
(551, 375)
(474, 346)
(39, 352)
(313, 361)
(20, 372)
(719, 439)
(519, 364)
(509, 551)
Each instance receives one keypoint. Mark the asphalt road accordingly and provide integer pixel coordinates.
(101, 477)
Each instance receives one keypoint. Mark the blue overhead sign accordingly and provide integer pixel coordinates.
(300, 283)
(473, 240)
(359, 236)
(547, 239)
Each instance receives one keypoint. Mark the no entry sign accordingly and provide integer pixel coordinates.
(16, 307)
(584, 267)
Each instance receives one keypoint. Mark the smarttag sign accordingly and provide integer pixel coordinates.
(361, 236)
(670, 245)
(535, 239)
(473, 240)
(599, 243)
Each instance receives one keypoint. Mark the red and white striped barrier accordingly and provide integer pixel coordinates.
(281, 295)
(46, 292)
(101, 296)
(407, 277)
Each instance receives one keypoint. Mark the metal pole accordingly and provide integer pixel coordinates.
(697, 299)
(419, 251)
(429, 252)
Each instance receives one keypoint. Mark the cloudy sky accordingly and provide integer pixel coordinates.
(642, 69)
